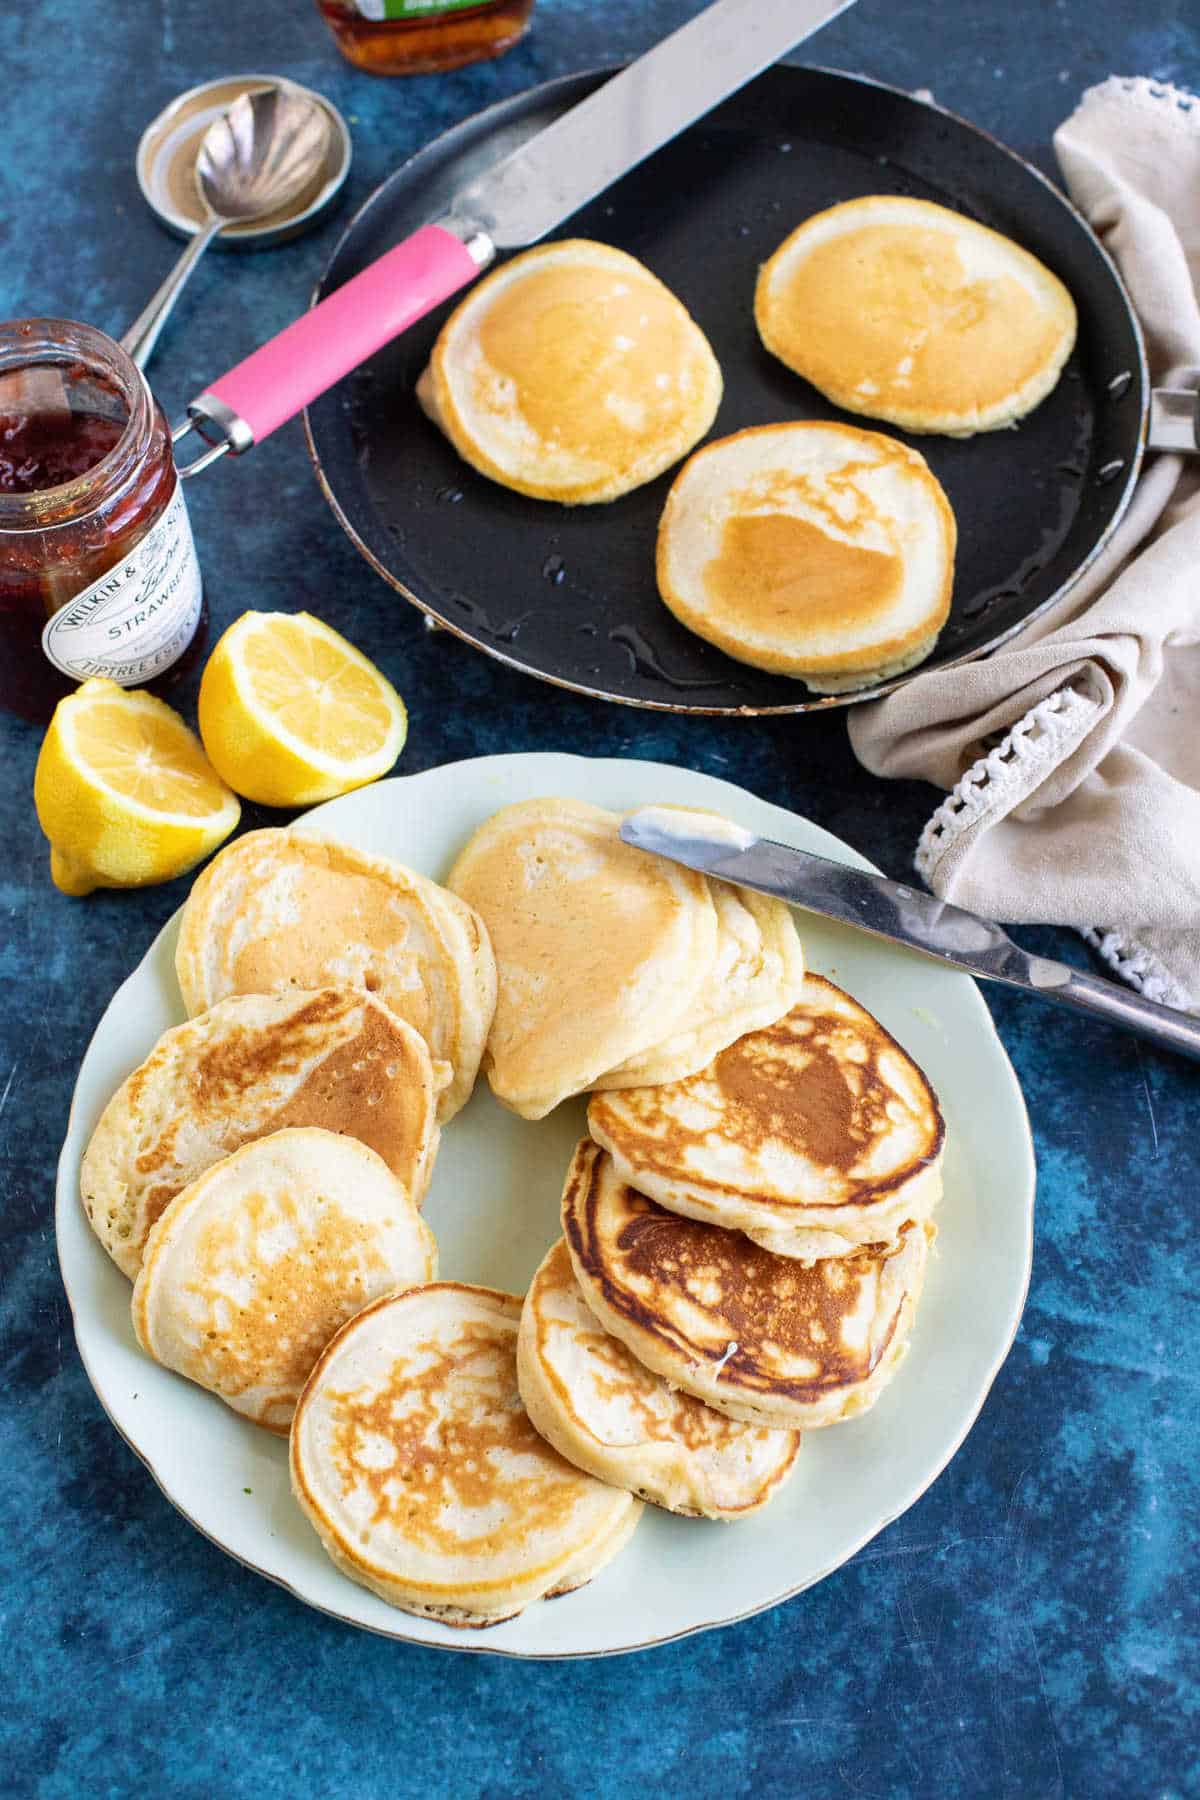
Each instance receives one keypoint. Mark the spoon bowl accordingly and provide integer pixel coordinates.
(254, 159)
(262, 153)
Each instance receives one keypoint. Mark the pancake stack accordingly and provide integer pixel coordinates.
(614, 968)
(280, 909)
(678, 1357)
(757, 1233)
(742, 1258)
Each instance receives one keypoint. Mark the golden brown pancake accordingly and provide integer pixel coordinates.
(254, 1266)
(572, 374)
(819, 551)
(591, 1398)
(912, 313)
(286, 909)
(418, 1467)
(760, 1337)
(252, 1064)
(600, 949)
(814, 1135)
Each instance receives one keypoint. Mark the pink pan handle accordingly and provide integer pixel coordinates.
(276, 381)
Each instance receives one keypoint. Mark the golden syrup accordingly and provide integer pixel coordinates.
(418, 37)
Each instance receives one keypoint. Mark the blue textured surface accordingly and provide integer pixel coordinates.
(1030, 1628)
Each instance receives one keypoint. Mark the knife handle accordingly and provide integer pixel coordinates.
(1163, 1025)
(277, 380)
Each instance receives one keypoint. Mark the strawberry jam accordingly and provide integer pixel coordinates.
(98, 572)
(42, 450)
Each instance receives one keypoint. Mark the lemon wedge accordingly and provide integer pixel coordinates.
(291, 713)
(124, 791)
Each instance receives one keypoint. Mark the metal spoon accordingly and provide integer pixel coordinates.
(253, 160)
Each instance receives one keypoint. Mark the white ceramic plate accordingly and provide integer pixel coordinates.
(494, 1207)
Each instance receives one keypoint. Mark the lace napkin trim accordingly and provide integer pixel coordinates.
(1008, 773)
(1006, 776)
(1152, 96)
(1137, 965)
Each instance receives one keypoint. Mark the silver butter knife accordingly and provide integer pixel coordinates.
(635, 113)
(518, 200)
(903, 915)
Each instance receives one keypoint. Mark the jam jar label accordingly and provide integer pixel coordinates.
(140, 616)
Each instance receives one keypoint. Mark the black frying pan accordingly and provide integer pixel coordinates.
(568, 594)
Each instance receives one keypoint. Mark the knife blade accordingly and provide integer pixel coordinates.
(898, 913)
(517, 201)
(633, 114)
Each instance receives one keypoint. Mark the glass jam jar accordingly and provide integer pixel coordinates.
(98, 571)
(418, 37)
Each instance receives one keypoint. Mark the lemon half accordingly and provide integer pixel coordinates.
(291, 713)
(124, 791)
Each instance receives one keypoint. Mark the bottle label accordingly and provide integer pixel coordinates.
(140, 616)
(411, 9)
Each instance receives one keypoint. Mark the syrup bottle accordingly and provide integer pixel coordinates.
(417, 37)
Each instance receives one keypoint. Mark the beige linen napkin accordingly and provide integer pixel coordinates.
(1072, 755)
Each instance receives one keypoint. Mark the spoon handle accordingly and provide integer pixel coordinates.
(143, 334)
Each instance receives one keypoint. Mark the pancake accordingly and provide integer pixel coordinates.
(757, 975)
(757, 1336)
(572, 374)
(253, 1064)
(284, 909)
(600, 949)
(592, 1399)
(813, 1135)
(254, 1266)
(420, 1471)
(912, 313)
(818, 551)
